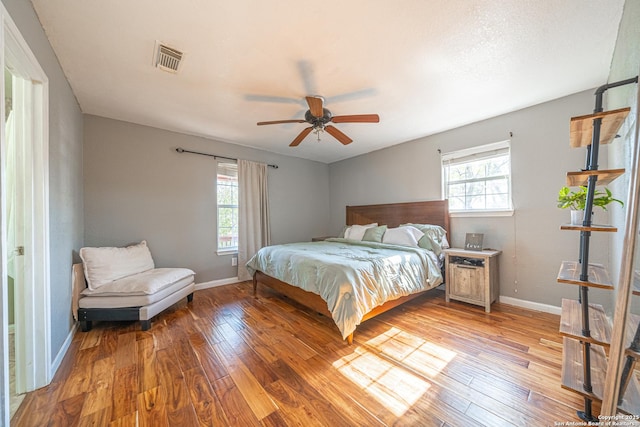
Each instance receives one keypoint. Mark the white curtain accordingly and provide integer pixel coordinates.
(254, 230)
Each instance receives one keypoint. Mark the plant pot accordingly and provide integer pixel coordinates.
(577, 217)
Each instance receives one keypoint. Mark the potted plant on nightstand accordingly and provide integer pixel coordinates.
(576, 200)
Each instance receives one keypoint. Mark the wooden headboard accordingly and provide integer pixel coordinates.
(393, 214)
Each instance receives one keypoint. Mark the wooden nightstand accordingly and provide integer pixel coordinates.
(472, 276)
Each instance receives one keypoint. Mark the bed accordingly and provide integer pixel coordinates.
(267, 273)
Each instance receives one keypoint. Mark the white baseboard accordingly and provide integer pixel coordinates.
(214, 283)
(63, 351)
(546, 308)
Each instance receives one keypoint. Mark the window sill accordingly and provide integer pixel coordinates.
(227, 251)
(463, 214)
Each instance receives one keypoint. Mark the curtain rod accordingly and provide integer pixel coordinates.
(182, 150)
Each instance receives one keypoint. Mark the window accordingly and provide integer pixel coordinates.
(478, 179)
(227, 198)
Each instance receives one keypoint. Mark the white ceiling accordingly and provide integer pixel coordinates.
(423, 66)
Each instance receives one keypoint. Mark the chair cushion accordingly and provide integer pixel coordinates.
(171, 293)
(145, 283)
(105, 265)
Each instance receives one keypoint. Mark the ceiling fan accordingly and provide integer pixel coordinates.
(319, 117)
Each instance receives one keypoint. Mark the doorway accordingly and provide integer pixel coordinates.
(24, 236)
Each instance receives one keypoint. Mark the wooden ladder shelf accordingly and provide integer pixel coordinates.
(585, 327)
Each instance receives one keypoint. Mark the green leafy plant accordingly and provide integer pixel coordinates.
(577, 199)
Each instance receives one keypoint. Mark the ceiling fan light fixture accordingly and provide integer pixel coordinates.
(317, 130)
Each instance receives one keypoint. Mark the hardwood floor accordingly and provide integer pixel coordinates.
(230, 359)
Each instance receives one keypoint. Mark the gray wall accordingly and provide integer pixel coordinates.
(625, 65)
(137, 187)
(65, 171)
(531, 240)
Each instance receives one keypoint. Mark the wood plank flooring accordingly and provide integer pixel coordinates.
(228, 359)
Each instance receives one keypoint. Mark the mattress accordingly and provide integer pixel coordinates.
(351, 277)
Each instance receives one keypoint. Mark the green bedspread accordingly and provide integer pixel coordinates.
(352, 277)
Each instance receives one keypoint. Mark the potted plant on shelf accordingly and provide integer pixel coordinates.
(576, 200)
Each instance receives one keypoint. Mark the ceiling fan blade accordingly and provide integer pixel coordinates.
(316, 105)
(302, 135)
(268, 98)
(277, 122)
(337, 134)
(357, 118)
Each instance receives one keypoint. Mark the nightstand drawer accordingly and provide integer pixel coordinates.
(467, 282)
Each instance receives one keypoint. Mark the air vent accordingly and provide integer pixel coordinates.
(167, 58)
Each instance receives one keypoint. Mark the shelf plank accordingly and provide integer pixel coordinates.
(634, 354)
(572, 372)
(605, 177)
(581, 127)
(598, 275)
(571, 322)
(592, 227)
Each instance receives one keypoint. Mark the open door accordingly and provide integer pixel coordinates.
(24, 217)
(14, 210)
(19, 217)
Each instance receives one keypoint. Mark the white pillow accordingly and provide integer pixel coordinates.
(405, 236)
(104, 265)
(356, 232)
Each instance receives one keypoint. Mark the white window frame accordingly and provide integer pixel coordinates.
(472, 154)
(223, 250)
